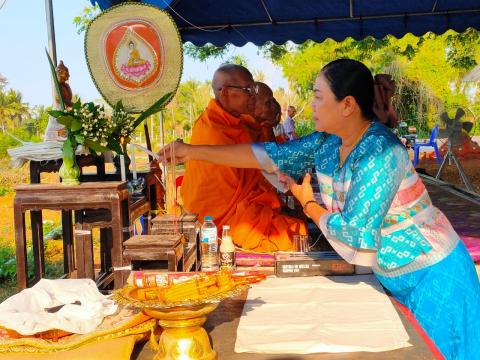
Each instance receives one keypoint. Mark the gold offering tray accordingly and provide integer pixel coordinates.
(128, 296)
(181, 320)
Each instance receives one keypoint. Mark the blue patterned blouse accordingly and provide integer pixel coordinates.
(376, 201)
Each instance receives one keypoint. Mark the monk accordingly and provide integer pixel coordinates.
(237, 197)
(265, 116)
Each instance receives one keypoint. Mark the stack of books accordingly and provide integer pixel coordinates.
(311, 264)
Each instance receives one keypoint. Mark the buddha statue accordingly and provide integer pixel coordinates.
(66, 92)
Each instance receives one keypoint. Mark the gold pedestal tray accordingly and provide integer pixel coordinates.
(183, 336)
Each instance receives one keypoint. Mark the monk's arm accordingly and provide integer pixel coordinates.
(237, 155)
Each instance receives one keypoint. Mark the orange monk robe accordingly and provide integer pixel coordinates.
(258, 132)
(240, 198)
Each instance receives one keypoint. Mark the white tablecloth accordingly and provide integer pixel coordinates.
(319, 314)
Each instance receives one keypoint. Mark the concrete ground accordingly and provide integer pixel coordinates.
(462, 210)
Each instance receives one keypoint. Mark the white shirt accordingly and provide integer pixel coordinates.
(289, 127)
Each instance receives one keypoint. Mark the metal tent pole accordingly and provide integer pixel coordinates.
(162, 140)
(52, 46)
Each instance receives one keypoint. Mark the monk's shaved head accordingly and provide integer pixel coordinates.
(230, 74)
(265, 109)
(264, 90)
(234, 89)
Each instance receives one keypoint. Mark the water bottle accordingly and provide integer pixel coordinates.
(227, 250)
(209, 245)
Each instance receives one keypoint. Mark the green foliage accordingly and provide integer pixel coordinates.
(13, 112)
(462, 49)
(8, 263)
(155, 108)
(205, 52)
(179, 116)
(53, 269)
(51, 230)
(303, 128)
(237, 60)
(428, 70)
(6, 141)
(273, 51)
(84, 19)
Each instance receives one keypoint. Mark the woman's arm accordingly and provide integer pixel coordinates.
(238, 155)
(304, 194)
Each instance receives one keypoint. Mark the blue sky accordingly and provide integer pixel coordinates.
(24, 38)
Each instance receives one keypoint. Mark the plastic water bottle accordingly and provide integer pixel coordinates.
(227, 250)
(209, 245)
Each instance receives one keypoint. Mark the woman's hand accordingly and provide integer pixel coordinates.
(304, 191)
(177, 149)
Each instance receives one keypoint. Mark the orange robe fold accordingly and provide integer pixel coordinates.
(241, 198)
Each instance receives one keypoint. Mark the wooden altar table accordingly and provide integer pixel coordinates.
(112, 196)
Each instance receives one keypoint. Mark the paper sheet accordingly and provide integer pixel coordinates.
(319, 314)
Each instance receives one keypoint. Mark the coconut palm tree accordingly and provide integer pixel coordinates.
(13, 112)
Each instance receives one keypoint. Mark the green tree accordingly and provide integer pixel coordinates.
(84, 19)
(13, 112)
(39, 119)
(428, 69)
(205, 52)
(238, 60)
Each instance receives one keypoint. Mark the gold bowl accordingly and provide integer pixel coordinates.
(183, 335)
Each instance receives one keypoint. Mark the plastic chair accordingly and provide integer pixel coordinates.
(178, 196)
(178, 181)
(431, 143)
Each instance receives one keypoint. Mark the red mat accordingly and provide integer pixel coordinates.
(418, 328)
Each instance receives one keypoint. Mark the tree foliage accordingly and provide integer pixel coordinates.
(462, 49)
(84, 19)
(428, 69)
(205, 52)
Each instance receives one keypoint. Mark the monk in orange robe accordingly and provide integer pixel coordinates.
(265, 116)
(240, 198)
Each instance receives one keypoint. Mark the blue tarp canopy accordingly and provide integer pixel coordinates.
(240, 21)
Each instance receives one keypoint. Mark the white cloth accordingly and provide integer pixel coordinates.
(319, 314)
(53, 130)
(41, 151)
(25, 312)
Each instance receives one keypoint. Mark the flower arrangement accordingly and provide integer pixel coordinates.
(88, 124)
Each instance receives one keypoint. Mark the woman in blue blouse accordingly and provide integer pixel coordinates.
(376, 211)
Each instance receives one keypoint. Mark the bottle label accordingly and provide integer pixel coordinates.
(227, 259)
(209, 249)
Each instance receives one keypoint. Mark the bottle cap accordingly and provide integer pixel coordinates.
(208, 218)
